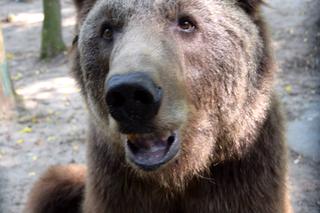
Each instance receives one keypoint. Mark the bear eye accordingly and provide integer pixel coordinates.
(187, 25)
(107, 33)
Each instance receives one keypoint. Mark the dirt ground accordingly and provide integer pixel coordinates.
(51, 127)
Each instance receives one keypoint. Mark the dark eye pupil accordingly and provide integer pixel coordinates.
(107, 34)
(186, 25)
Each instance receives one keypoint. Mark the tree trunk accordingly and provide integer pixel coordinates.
(52, 43)
(7, 93)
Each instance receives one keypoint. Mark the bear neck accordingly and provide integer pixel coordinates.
(109, 172)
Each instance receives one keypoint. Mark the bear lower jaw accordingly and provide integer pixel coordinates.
(149, 152)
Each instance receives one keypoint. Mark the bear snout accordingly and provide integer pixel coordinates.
(133, 100)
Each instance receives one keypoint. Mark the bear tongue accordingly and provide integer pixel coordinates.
(147, 144)
(149, 151)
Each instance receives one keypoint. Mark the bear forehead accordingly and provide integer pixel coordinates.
(164, 7)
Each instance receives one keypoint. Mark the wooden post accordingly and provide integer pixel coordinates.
(7, 93)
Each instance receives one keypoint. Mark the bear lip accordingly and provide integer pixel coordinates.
(149, 152)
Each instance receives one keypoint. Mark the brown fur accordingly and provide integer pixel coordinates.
(218, 94)
(60, 189)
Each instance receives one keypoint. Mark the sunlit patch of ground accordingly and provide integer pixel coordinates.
(48, 90)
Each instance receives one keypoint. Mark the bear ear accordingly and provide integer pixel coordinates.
(82, 8)
(78, 4)
(250, 6)
(81, 4)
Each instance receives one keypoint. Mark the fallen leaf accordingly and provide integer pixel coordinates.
(20, 141)
(34, 120)
(48, 120)
(17, 77)
(291, 31)
(24, 119)
(288, 89)
(75, 147)
(11, 18)
(32, 174)
(39, 142)
(9, 56)
(51, 138)
(296, 161)
(26, 130)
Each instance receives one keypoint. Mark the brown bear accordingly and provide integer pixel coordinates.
(182, 114)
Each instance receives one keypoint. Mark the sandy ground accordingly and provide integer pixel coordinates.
(51, 129)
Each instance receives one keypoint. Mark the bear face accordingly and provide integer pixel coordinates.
(207, 69)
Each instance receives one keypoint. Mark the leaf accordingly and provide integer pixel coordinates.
(26, 130)
(51, 138)
(297, 161)
(34, 120)
(48, 120)
(11, 18)
(32, 174)
(288, 88)
(75, 147)
(17, 77)
(20, 141)
(9, 56)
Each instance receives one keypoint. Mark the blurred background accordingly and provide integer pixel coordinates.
(43, 119)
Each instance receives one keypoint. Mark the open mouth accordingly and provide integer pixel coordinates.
(149, 152)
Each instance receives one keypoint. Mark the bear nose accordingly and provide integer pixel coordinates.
(133, 97)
